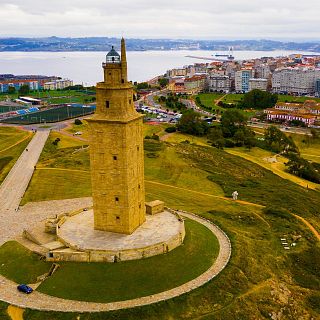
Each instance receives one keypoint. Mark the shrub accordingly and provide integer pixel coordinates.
(77, 122)
(170, 129)
(155, 137)
(228, 143)
(55, 142)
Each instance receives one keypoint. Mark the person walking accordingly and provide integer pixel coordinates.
(235, 195)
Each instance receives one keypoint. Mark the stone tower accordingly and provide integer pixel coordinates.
(116, 151)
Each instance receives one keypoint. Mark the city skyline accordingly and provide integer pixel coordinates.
(231, 19)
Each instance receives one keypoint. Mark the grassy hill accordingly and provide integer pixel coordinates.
(262, 279)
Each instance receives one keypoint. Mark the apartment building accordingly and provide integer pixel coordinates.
(257, 83)
(195, 84)
(298, 81)
(57, 84)
(219, 83)
(178, 72)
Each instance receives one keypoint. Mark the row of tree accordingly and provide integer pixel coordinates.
(172, 101)
(232, 130)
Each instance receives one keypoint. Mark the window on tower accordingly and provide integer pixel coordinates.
(117, 199)
(107, 104)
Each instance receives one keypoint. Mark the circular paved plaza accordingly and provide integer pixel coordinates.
(39, 301)
(160, 233)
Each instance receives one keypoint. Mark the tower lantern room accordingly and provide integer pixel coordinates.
(113, 56)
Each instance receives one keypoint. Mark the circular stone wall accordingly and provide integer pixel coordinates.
(160, 234)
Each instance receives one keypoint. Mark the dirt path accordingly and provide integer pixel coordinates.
(18, 142)
(15, 313)
(220, 99)
(309, 225)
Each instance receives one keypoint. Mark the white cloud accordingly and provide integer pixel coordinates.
(167, 18)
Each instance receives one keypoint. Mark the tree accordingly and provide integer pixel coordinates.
(231, 121)
(191, 123)
(11, 90)
(215, 136)
(163, 82)
(142, 85)
(302, 168)
(258, 99)
(278, 142)
(24, 89)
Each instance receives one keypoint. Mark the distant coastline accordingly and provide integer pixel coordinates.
(57, 44)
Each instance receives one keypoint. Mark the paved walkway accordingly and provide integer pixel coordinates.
(15, 184)
(34, 212)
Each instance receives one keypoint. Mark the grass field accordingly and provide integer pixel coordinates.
(3, 311)
(309, 148)
(56, 96)
(260, 156)
(21, 265)
(12, 142)
(9, 136)
(233, 98)
(107, 282)
(209, 99)
(287, 98)
(261, 277)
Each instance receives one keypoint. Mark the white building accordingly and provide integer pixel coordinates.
(298, 81)
(219, 83)
(57, 84)
(261, 84)
(179, 72)
(263, 71)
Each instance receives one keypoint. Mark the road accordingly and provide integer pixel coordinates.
(15, 184)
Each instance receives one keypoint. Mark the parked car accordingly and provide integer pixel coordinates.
(24, 288)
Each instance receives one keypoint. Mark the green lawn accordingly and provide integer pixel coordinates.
(3, 311)
(107, 282)
(9, 155)
(233, 98)
(10, 136)
(21, 265)
(209, 99)
(287, 98)
(55, 184)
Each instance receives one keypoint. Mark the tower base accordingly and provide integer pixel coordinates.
(160, 234)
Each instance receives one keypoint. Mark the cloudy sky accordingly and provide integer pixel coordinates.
(198, 19)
